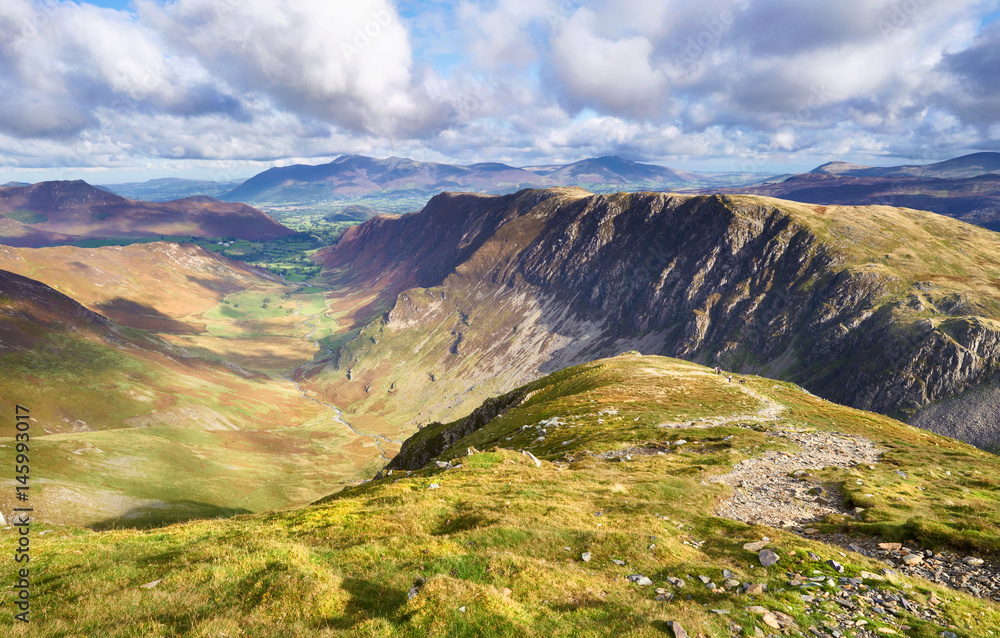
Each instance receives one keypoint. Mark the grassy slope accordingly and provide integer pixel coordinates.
(909, 245)
(155, 438)
(492, 538)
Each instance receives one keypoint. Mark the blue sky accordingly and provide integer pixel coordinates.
(125, 91)
(120, 5)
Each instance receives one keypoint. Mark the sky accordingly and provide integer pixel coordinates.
(117, 91)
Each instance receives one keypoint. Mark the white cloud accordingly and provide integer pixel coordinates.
(609, 74)
(347, 62)
(515, 80)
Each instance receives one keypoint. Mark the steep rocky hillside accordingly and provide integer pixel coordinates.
(880, 308)
(77, 209)
(631, 496)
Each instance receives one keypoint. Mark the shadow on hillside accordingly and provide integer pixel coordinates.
(368, 600)
(136, 315)
(167, 513)
(222, 287)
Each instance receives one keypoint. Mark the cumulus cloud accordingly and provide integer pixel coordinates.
(60, 62)
(514, 80)
(612, 74)
(970, 83)
(345, 62)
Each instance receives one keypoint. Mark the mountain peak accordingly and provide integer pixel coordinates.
(837, 168)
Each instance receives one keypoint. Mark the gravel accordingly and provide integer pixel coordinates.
(767, 492)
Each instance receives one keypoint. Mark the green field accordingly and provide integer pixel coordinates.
(27, 217)
(285, 256)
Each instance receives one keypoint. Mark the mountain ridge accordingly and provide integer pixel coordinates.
(836, 298)
(965, 188)
(75, 209)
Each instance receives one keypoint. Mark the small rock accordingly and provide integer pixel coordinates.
(756, 589)
(783, 619)
(433, 486)
(890, 546)
(757, 609)
(617, 562)
(152, 584)
(948, 634)
(680, 442)
(705, 579)
(837, 567)
(677, 629)
(770, 620)
(732, 583)
(640, 579)
(676, 582)
(444, 465)
(972, 561)
(810, 531)
(768, 558)
(756, 546)
(461, 609)
(665, 597)
(532, 458)
(913, 559)
(413, 592)
(585, 556)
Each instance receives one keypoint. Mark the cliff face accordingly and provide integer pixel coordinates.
(878, 308)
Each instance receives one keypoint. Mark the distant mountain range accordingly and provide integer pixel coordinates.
(966, 188)
(356, 175)
(355, 187)
(59, 212)
(398, 184)
(166, 189)
(956, 168)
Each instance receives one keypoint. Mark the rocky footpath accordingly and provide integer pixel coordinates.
(825, 602)
(772, 489)
(971, 574)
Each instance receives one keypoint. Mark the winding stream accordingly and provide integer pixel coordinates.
(338, 414)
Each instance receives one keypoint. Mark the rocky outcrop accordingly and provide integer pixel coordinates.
(418, 451)
(491, 292)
